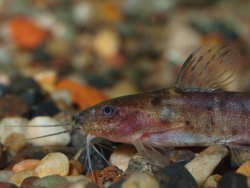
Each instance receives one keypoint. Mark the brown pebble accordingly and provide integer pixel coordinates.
(75, 168)
(12, 105)
(244, 169)
(29, 164)
(27, 182)
(7, 185)
(15, 142)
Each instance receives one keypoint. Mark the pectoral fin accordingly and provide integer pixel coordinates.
(239, 154)
(207, 69)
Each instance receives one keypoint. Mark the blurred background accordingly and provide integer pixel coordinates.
(81, 52)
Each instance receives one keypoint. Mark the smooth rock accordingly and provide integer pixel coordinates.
(44, 108)
(12, 125)
(140, 180)
(73, 179)
(53, 164)
(58, 140)
(20, 84)
(121, 156)
(46, 80)
(27, 182)
(15, 142)
(80, 184)
(18, 178)
(28, 164)
(233, 180)
(211, 181)
(5, 159)
(176, 175)
(5, 175)
(244, 169)
(52, 181)
(3, 90)
(204, 164)
(7, 185)
(139, 164)
(32, 96)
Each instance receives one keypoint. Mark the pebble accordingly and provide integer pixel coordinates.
(51, 181)
(27, 182)
(139, 164)
(18, 178)
(181, 156)
(7, 185)
(32, 96)
(53, 164)
(46, 80)
(58, 140)
(176, 175)
(101, 40)
(15, 142)
(121, 156)
(44, 108)
(233, 180)
(3, 90)
(244, 169)
(204, 164)
(140, 180)
(5, 159)
(5, 175)
(73, 179)
(211, 181)
(12, 125)
(75, 168)
(28, 164)
(81, 184)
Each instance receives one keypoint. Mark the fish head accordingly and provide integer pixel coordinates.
(119, 119)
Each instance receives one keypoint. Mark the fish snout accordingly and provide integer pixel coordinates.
(78, 120)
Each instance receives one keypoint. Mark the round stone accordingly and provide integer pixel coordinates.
(15, 142)
(50, 182)
(57, 140)
(29, 164)
(53, 164)
(12, 125)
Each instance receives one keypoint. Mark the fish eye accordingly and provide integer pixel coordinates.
(108, 110)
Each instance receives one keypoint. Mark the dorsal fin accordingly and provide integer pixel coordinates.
(201, 71)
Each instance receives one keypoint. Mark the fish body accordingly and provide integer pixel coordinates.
(194, 111)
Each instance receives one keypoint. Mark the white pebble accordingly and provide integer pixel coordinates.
(121, 156)
(53, 164)
(204, 164)
(12, 125)
(58, 140)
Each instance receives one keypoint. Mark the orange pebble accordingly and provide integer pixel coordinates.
(26, 33)
(29, 164)
(82, 95)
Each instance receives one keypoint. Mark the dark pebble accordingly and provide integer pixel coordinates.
(5, 159)
(32, 96)
(20, 84)
(3, 90)
(139, 164)
(7, 185)
(12, 105)
(233, 180)
(45, 108)
(176, 175)
(27, 183)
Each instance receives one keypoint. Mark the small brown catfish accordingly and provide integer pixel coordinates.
(194, 111)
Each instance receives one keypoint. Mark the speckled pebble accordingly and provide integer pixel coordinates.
(5, 175)
(12, 125)
(244, 169)
(140, 180)
(121, 156)
(204, 164)
(18, 178)
(52, 181)
(140, 164)
(15, 142)
(211, 181)
(29, 164)
(59, 140)
(53, 164)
